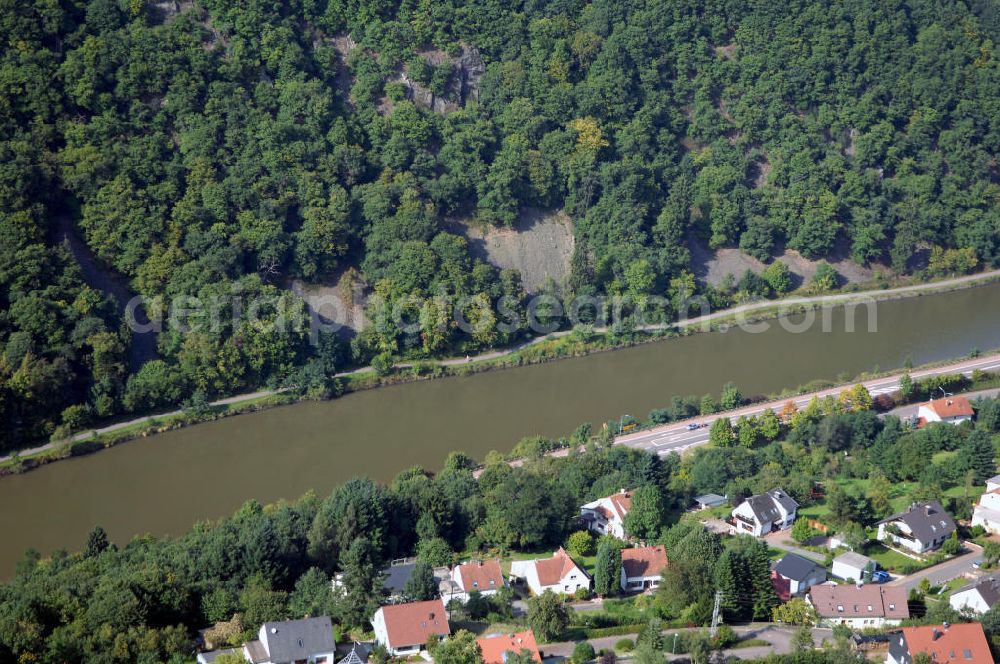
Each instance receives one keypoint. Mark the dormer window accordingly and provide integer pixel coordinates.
(892, 607)
(840, 608)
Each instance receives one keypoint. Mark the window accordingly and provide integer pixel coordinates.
(967, 654)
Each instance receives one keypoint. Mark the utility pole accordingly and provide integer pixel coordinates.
(716, 613)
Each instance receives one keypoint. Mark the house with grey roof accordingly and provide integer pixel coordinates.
(923, 527)
(710, 500)
(852, 566)
(308, 640)
(764, 513)
(795, 574)
(978, 597)
(396, 576)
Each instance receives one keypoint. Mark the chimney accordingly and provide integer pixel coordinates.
(945, 625)
(274, 630)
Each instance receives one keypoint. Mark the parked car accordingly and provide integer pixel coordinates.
(880, 576)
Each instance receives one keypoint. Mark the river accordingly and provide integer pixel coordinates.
(163, 484)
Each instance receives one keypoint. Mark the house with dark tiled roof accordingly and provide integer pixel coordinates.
(964, 643)
(396, 576)
(560, 574)
(497, 648)
(978, 597)
(404, 629)
(642, 567)
(795, 574)
(923, 527)
(860, 606)
(309, 640)
(764, 513)
(606, 516)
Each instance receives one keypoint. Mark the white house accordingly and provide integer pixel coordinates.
(952, 410)
(923, 527)
(859, 606)
(852, 566)
(641, 567)
(309, 640)
(987, 511)
(977, 597)
(759, 515)
(606, 516)
(559, 574)
(404, 629)
(795, 574)
(483, 576)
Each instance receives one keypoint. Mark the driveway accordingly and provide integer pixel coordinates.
(783, 540)
(944, 572)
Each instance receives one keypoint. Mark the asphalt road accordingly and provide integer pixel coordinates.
(945, 572)
(675, 437)
(779, 638)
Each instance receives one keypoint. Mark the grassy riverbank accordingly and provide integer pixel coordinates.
(559, 345)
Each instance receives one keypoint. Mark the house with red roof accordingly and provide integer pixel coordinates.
(496, 648)
(404, 629)
(483, 576)
(964, 643)
(860, 606)
(953, 410)
(606, 516)
(560, 574)
(641, 567)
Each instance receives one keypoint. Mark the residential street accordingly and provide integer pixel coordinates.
(946, 571)
(675, 437)
(779, 637)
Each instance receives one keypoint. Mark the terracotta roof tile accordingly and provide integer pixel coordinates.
(412, 624)
(494, 647)
(962, 643)
(645, 561)
(951, 407)
(483, 575)
(553, 570)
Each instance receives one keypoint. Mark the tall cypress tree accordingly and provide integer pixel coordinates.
(607, 574)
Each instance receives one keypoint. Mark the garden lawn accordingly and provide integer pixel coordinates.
(887, 558)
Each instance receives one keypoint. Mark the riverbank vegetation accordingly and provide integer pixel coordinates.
(144, 601)
(215, 149)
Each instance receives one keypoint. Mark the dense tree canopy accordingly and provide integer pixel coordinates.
(234, 146)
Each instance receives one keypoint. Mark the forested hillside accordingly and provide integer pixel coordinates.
(217, 147)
